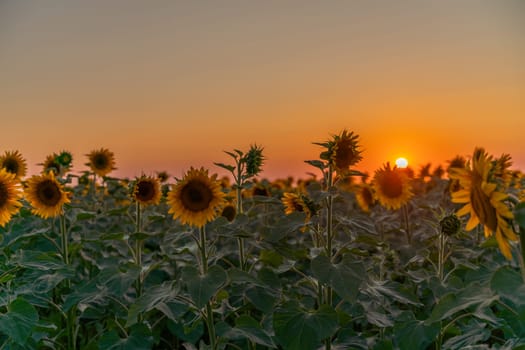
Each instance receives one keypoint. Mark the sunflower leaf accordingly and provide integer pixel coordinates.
(316, 163)
(228, 167)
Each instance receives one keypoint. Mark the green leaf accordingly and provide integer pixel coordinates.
(246, 328)
(473, 336)
(85, 215)
(228, 167)
(395, 290)
(298, 329)
(345, 278)
(139, 338)
(316, 163)
(262, 298)
(153, 297)
(238, 276)
(508, 283)
(202, 287)
(415, 334)
(19, 321)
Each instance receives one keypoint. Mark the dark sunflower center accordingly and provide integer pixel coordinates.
(229, 212)
(482, 207)
(48, 193)
(11, 165)
(145, 191)
(196, 196)
(260, 191)
(344, 155)
(100, 161)
(4, 195)
(298, 206)
(392, 185)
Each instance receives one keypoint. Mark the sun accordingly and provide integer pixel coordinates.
(401, 162)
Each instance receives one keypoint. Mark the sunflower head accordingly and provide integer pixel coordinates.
(364, 196)
(484, 200)
(51, 165)
(343, 151)
(254, 160)
(229, 212)
(146, 190)
(46, 195)
(298, 202)
(197, 198)
(101, 161)
(163, 176)
(10, 196)
(450, 225)
(65, 159)
(14, 163)
(391, 187)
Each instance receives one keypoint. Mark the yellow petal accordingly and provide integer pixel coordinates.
(472, 222)
(465, 210)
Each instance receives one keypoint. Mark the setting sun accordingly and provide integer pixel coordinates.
(401, 162)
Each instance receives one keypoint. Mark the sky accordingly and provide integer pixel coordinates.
(166, 85)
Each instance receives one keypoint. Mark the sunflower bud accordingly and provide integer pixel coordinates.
(254, 160)
(229, 212)
(64, 158)
(450, 225)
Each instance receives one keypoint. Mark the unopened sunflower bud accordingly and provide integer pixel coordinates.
(254, 161)
(450, 225)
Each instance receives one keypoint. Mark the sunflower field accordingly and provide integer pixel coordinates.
(400, 259)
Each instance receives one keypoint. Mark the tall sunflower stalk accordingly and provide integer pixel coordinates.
(341, 152)
(195, 200)
(247, 166)
(47, 197)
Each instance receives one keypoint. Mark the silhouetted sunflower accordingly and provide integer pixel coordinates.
(65, 159)
(197, 198)
(146, 190)
(46, 195)
(10, 196)
(483, 201)
(345, 151)
(364, 196)
(392, 187)
(101, 161)
(14, 163)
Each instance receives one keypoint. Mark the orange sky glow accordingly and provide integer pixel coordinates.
(166, 86)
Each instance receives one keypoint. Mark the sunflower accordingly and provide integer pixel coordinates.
(51, 164)
(10, 196)
(65, 159)
(46, 195)
(101, 161)
(197, 198)
(14, 163)
(298, 202)
(146, 190)
(344, 151)
(483, 200)
(391, 186)
(364, 196)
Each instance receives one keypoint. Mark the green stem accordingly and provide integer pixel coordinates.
(71, 314)
(329, 237)
(204, 270)
(242, 262)
(138, 248)
(407, 224)
(441, 255)
(239, 184)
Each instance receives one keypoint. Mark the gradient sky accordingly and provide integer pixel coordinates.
(170, 84)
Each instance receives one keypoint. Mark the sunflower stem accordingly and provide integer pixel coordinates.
(204, 270)
(138, 247)
(242, 263)
(70, 317)
(407, 224)
(441, 255)
(329, 237)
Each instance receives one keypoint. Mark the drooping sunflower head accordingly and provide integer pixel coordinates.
(344, 151)
(10, 196)
(391, 187)
(146, 190)
(501, 169)
(229, 212)
(364, 196)
(46, 195)
(101, 161)
(484, 200)
(450, 224)
(197, 198)
(14, 163)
